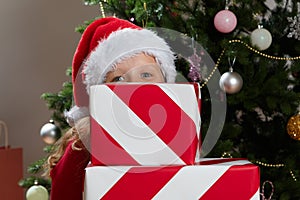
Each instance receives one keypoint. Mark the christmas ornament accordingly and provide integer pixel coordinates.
(231, 82)
(293, 127)
(263, 190)
(37, 192)
(261, 38)
(194, 62)
(225, 21)
(294, 26)
(50, 132)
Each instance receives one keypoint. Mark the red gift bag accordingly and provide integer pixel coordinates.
(11, 169)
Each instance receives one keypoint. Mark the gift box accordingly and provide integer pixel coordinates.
(144, 123)
(211, 179)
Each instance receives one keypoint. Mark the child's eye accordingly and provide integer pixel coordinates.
(118, 79)
(146, 75)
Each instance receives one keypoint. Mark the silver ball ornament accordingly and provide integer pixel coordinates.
(231, 82)
(50, 133)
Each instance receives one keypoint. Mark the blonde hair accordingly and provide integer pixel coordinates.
(77, 134)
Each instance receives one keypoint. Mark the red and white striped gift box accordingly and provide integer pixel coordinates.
(144, 124)
(233, 179)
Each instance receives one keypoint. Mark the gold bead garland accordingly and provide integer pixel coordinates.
(214, 69)
(293, 175)
(263, 54)
(102, 9)
(251, 49)
(269, 165)
(226, 154)
(276, 166)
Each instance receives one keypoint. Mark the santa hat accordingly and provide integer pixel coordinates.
(105, 43)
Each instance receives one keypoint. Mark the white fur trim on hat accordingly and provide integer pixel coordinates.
(123, 44)
(75, 114)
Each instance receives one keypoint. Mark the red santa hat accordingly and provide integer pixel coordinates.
(105, 43)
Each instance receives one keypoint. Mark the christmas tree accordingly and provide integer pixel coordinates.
(256, 44)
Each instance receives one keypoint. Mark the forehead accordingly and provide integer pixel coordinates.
(137, 60)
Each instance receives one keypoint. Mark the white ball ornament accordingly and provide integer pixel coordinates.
(231, 82)
(37, 192)
(261, 38)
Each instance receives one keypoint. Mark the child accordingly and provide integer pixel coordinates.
(110, 50)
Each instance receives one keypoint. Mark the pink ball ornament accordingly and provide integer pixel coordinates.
(225, 21)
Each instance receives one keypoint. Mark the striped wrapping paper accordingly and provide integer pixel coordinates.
(145, 124)
(234, 179)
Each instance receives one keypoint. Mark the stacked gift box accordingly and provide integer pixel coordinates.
(145, 141)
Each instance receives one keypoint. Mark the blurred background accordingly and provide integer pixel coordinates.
(37, 40)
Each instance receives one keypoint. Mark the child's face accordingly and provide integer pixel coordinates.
(140, 68)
